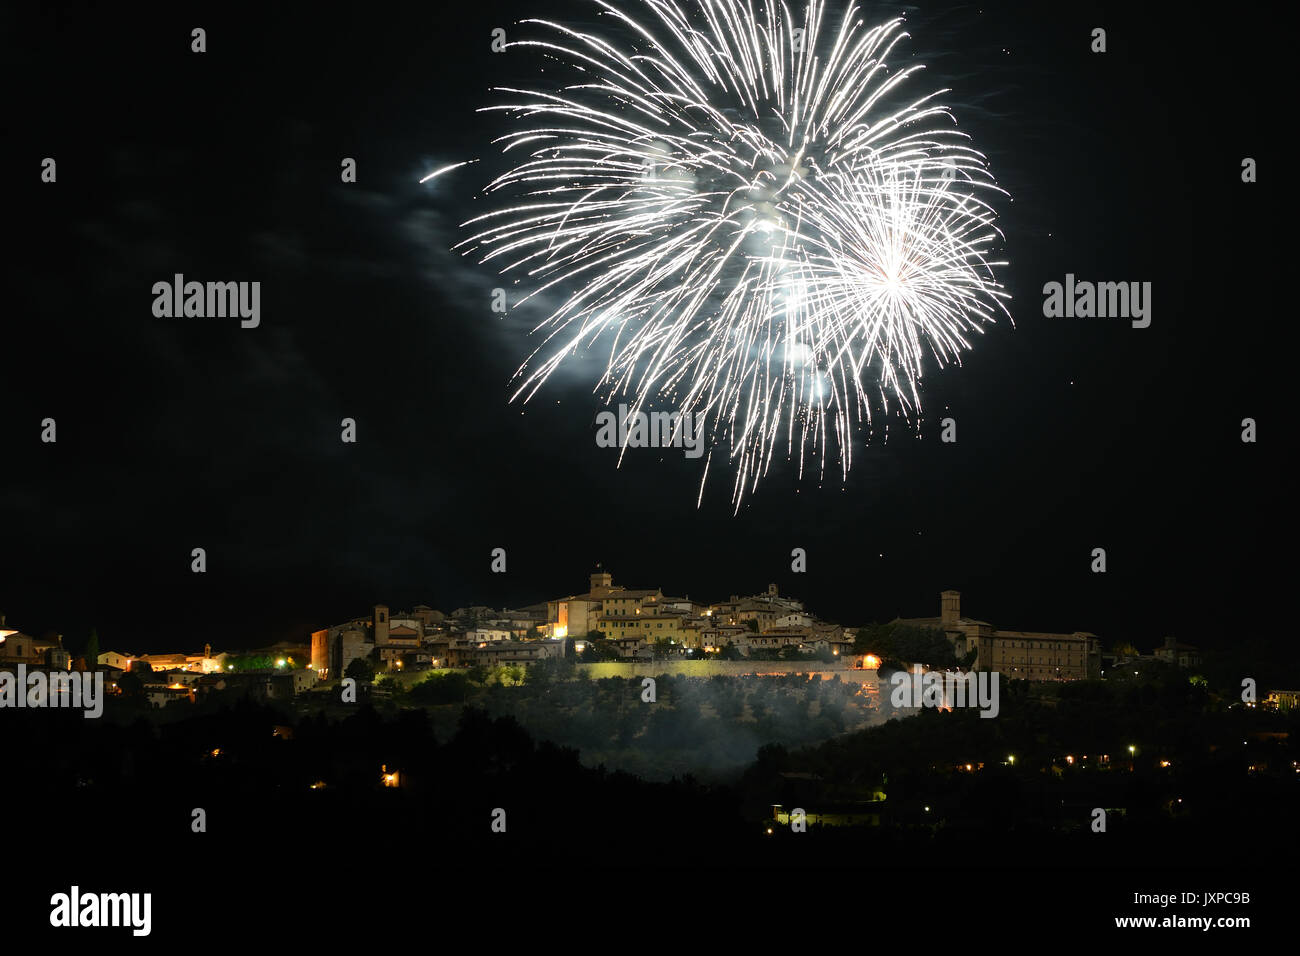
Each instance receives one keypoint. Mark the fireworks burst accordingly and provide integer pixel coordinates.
(741, 205)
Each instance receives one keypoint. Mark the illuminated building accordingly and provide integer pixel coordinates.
(19, 648)
(579, 614)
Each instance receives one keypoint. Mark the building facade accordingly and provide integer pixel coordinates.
(1017, 655)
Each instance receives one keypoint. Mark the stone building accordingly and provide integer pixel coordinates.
(19, 648)
(1176, 652)
(579, 614)
(1017, 655)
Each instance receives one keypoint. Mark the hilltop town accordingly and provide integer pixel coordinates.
(607, 622)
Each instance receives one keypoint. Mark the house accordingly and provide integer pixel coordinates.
(1183, 655)
(160, 695)
(504, 652)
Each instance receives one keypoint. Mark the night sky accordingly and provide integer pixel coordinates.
(183, 433)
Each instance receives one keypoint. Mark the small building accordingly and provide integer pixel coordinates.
(121, 662)
(19, 648)
(1174, 652)
(504, 652)
(160, 695)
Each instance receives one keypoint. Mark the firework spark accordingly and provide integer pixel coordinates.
(742, 206)
(446, 169)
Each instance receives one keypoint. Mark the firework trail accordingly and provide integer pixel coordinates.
(743, 208)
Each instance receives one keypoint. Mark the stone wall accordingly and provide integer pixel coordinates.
(687, 668)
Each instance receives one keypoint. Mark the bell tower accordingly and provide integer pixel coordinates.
(949, 608)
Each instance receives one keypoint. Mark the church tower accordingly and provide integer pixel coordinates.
(949, 608)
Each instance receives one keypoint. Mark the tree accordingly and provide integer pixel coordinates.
(730, 652)
(91, 654)
(391, 685)
(598, 649)
(447, 688)
(130, 685)
(361, 670)
(921, 645)
(875, 639)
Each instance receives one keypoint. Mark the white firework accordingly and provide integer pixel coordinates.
(740, 205)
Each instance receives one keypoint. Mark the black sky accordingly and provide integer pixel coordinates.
(183, 433)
